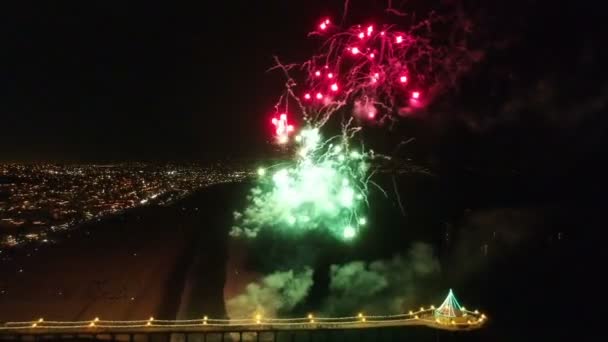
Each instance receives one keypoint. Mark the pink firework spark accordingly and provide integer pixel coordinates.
(384, 69)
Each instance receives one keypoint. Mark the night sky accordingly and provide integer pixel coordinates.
(101, 80)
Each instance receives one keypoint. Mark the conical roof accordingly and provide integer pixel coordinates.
(449, 307)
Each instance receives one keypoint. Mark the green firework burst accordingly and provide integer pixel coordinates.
(324, 188)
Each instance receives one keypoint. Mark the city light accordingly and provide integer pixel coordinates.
(109, 190)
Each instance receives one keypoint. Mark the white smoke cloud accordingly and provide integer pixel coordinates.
(277, 292)
(383, 286)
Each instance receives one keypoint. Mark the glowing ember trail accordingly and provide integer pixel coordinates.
(371, 74)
